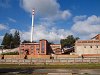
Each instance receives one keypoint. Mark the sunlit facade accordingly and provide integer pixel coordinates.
(88, 46)
(41, 48)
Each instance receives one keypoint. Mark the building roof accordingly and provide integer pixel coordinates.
(29, 43)
(96, 36)
(43, 39)
(88, 41)
(55, 44)
(96, 40)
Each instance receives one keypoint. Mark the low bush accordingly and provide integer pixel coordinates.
(10, 53)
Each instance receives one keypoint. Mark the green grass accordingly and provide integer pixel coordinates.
(65, 66)
(47, 66)
(10, 53)
(21, 74)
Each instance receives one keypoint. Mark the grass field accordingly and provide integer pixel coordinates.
(69, 66)
(27, 69)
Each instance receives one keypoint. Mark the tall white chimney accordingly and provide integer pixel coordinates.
(32, 25)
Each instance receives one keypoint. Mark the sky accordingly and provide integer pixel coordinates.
(54, 19)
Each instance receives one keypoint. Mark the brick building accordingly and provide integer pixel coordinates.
(41, 48)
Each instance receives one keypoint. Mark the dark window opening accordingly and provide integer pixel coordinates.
(84, 46)
(90, 46)
(97, 46)
(27, 52)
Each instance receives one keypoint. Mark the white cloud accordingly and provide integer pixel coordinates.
(43, 32)
(89, 26)
(25, 35)
(92, 35)
(48, 12)
(66, 14)
(3, 27)
(79, 18)
(43, 7)
(1, 38)
(11, 19)
(48, 9)
(12, 31)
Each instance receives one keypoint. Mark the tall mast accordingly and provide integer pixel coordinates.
(32, 25)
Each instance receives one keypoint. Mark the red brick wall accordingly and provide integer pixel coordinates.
(45, 46)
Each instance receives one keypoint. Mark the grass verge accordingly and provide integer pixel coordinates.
(47, 66)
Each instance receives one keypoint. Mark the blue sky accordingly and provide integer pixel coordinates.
(54, 19)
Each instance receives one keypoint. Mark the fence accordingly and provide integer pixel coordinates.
(50, 61)
(37, 56)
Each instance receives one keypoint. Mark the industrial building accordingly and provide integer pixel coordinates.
(44, 48)
(41, 48)
(91, 46)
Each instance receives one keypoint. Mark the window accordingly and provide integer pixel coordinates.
(84, 46)
(37, 48)
(42, 47)
(97, 46)
(90, 46)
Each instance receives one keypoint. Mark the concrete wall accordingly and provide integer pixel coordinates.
(50, 61)
(12, 56)
(91, 55)
(87, 47)
(28, 56)
(87, 50)
(48, 56)
(38, 56)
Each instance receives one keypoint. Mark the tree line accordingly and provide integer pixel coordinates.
(68, 41)
(11, 40)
